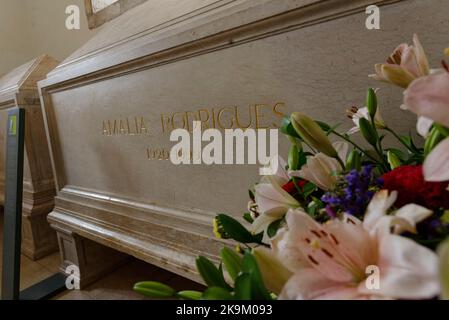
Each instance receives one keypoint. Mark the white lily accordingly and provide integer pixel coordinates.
(272, 201)
(423, 126)
(405, 219)
(358, 113)
(321, 169)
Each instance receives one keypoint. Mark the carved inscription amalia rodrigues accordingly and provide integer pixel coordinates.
(256, 116)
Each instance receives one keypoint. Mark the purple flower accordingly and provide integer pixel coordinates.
(353, 192)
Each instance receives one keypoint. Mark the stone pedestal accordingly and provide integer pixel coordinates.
(19, 89)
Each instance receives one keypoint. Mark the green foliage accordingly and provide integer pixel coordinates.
(216, 293)
(354, 161)
(434, 138)
(212, 275)
(234, 230)
(247, 217)
(393, 160)
(368, 132)
(258, 289)
(274, 227)
(232, 262)
(243, 287)
(189, 295)
(154, 289)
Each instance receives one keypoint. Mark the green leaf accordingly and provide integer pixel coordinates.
(368, 132)
(273, 228)
(443, 130)
(236, 231)
(354, 161)
(243, 287)
(308, 189)
(324, 126)
(232, 262)
(434, 138)
(189, 295)
(398, 153)
(154, 289)
(247, 217)
(258, 289)
(216, 293)
(212, 275)
(393, 160)
(251, 194)
(371, 103)
(302, 159)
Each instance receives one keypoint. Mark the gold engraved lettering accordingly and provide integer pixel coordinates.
(278, 113)
(250, 121)
(259, 115)
(165, 121)
(231, 120)
(174, 121)
(204, 122)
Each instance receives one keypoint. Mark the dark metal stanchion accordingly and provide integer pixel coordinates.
(15, 137)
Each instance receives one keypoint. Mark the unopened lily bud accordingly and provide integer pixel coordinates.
(371, 103)
(312, 133)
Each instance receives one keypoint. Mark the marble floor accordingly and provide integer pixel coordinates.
(116, 285)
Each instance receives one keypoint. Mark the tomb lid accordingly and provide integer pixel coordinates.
(26, 76)
(160, 27)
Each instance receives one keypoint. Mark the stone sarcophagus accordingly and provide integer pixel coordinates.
(110, 108)
(19, 89)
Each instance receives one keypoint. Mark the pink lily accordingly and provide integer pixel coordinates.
(429, 97)
(331, 261)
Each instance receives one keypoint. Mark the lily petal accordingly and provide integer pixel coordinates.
(397, 75)
(428, 97)
(413, 214)
(310, 284)
(436, 165)
(378, 207)
(423, 126)
(261, 223)
(274, 274)
(421, 56)
(409, 271)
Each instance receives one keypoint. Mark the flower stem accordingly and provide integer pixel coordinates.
(354, 144)
(398, 138)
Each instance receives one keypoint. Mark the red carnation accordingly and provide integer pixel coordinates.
(291, 188)
(411, 187)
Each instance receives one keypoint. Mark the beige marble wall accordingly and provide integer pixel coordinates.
(29, 28)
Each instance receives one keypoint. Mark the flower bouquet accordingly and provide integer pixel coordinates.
(346, 220)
